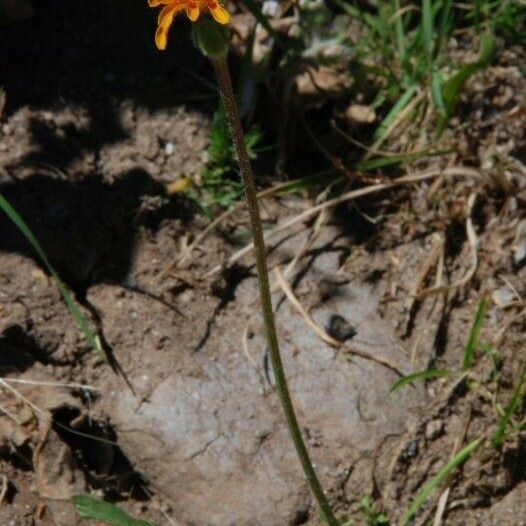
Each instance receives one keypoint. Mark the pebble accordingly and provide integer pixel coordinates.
(434, 429)
(169, 148)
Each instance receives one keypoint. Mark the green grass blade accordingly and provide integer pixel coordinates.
(427, 29)
(390, 160)
(454, 85)
(432, 485)
(471, 345)
(75, 312)
(402, 102)
(444, 26)
(399, 30)
(90, 508)
(513, 405)
(420, 375)
(320, 178)
(436, 89)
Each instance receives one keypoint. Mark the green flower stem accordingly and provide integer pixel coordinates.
(236, 130)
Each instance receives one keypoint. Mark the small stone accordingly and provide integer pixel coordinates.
(434, 429)
(340, 329)
(169, 148)
(411, 451)
(504, 297)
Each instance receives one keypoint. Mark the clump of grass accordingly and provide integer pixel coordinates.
(470, 349)
(504, 427)
(407, 49)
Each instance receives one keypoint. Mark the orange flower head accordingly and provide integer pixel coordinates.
(193, 8)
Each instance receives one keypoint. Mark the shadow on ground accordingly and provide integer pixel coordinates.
(92, 54)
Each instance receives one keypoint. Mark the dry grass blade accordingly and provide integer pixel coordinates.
(460, 171)
(395, 123)
(433, 258)
(3, 491)
(473, 243)
(84, 387)
(285, 287)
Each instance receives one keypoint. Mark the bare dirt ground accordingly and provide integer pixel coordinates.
(189, 429)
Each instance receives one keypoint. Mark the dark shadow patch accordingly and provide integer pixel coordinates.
(19, 351)
(87, 228)
(104, 464)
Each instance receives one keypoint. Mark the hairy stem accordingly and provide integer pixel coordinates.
(236, 130)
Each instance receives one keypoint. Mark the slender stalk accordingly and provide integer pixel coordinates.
(245, 168)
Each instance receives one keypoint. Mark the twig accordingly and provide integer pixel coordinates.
(473, 243)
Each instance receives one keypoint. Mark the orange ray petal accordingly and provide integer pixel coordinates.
(192, 10)
(219, 13)
(155, 3)
(166, 17)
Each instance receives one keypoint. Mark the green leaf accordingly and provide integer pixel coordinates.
(421, 375)
(75, 312)
(90, 508)
(471, 346)
(432, 485)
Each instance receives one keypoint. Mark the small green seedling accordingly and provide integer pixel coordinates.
(220, 179)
